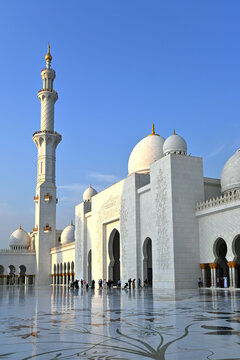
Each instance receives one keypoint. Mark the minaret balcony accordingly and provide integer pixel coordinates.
(47, 228)
(35, 229)
(47, 197)
(50, 90)
(35, 199)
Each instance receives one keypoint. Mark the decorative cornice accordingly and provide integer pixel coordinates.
(227, 198)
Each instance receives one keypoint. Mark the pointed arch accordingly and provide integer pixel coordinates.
(147, 261)
(114, 256)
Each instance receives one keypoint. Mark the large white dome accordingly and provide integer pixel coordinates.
(89, 193)
(19, 239)
(230, 177)
(67, 235)
(145, 153)
(175, 144)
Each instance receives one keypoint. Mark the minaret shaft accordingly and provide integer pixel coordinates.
(46, 141)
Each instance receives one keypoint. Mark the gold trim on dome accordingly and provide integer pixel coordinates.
(48, 56)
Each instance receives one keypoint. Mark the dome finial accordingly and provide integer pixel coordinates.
(20, 227)
(71, 222)
(48, 56)
(153, 129)
(174, 132)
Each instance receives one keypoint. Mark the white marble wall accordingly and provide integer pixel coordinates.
(187, 190)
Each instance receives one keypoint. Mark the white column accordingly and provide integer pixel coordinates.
(213, 275)
(234, 282)
(203, 270)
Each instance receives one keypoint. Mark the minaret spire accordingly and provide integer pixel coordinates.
(153, 129)
(48, 58)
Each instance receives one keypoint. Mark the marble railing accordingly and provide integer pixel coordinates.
(224, 199)
(16, 251)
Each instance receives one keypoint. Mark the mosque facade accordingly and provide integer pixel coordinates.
(165, 222)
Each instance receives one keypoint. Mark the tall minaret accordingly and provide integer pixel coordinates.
(46, 140)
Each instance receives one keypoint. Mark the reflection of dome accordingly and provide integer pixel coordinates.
(175, 144)
(89, 193)
(230, 177)
(67, 235)
(145, 153)
(19, 239)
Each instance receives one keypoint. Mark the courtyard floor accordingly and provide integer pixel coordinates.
(61, 323)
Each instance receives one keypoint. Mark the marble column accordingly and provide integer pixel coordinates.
(204, 280)
(26, 280)
(234, 274)
(213, 267)
(230, 274)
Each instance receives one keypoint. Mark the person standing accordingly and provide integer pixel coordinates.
(129, 283)
(133, 283)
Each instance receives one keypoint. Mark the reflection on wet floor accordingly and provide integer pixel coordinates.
(61, 323)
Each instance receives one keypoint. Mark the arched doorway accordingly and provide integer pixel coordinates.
(220, 250)
(72, 269)
(147, 261)
(57, 274)
(54, 274)
(22, 274)
(11, 274)
(68, 272)
(65, 274)
(114, 256)
(236, 251)
(61, 274)
(1, 275)
(89, 267)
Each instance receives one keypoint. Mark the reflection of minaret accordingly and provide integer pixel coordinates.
(46, 141)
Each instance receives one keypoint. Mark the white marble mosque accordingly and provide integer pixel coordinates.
(165, 222)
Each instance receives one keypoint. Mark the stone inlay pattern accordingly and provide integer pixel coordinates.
(62, 323)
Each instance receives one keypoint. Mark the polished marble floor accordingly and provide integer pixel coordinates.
(62, 323)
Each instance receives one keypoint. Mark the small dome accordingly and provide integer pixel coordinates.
(145, 153)
(89, 193)
(175, 144)
(67, 235)
(20, 238)
(230, 177)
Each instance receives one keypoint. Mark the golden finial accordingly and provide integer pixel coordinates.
(153, 129)
(20, 227)
(174, 132)
(71, 222)
(48, 57)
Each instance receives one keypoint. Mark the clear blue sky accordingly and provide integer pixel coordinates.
(121, 65)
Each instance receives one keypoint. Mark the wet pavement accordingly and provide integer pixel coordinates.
(61, 323)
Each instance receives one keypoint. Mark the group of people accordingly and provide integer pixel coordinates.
(108, 284)
(132, 284)
(84, 284)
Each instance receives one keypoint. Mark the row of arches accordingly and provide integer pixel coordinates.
(223, 272)
(63, 273)
(13, 275)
